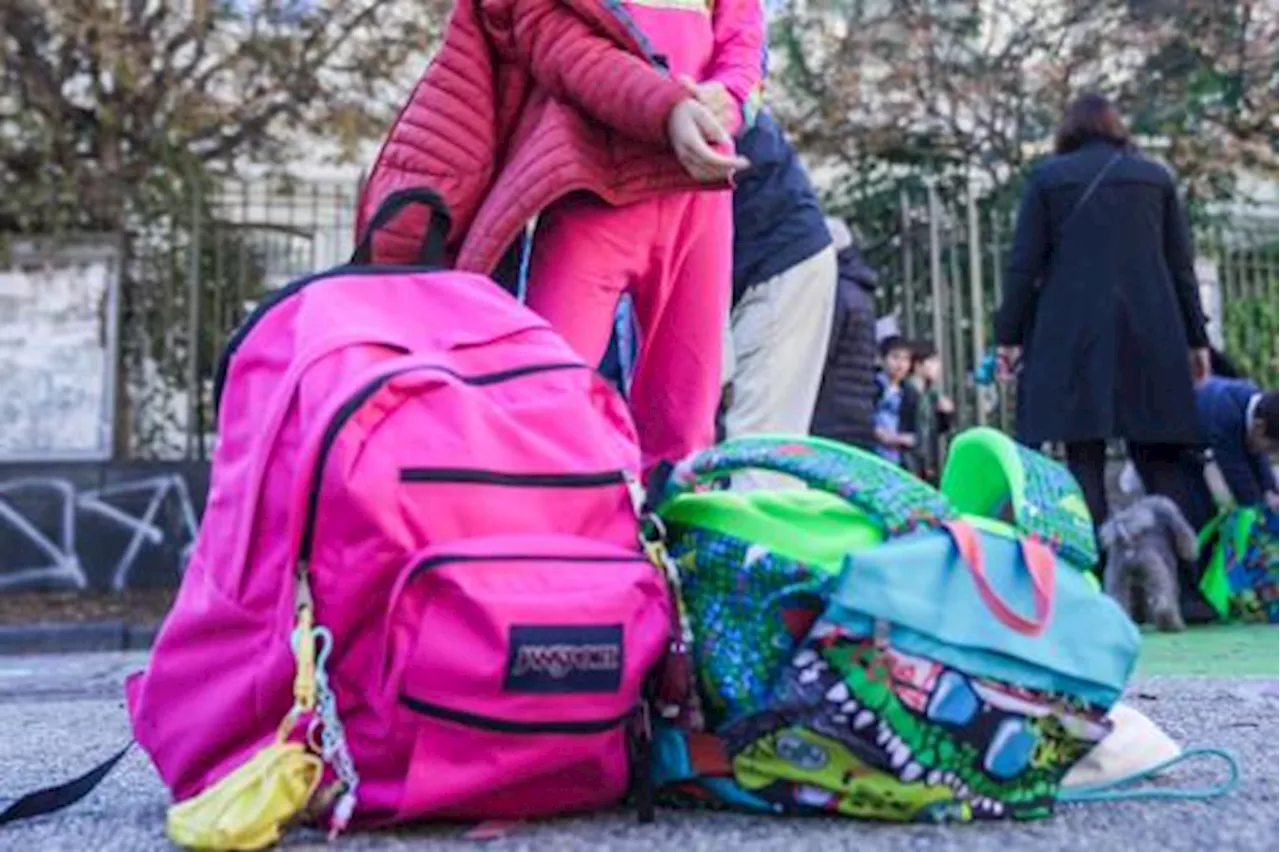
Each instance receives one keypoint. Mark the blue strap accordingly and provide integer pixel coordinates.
(624, 327)
(526, 254)
(1110, 791)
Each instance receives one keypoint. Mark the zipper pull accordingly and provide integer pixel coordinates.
(303, 642)
(634, 491)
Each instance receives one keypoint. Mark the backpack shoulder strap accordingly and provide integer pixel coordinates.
(51, 799)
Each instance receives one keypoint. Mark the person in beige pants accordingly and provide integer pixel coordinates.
(784, 296)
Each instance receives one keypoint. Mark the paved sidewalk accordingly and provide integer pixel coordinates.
(65, 713)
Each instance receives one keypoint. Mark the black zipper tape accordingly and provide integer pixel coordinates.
(454, 558)
(508, 726)
(518, 480)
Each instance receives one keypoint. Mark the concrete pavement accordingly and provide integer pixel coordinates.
(62, 714)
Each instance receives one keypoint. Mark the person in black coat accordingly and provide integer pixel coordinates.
(846, 407)
(1101, 317)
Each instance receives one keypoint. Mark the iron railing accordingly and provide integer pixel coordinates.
(191, 275)
(193, 271)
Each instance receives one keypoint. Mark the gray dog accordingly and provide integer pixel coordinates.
(1144, 544)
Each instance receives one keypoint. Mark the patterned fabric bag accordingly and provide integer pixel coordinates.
(757, 568)
(1244, 564)
(990, 475)
(925, 692)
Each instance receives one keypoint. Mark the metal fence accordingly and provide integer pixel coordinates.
(1243, 251)
(191, 277)
(192, 272)
(942, 275)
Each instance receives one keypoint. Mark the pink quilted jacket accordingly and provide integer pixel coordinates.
(500, 147)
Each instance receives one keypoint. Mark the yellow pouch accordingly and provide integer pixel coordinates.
(247, 809)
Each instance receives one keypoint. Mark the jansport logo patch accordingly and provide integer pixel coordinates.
(559, 661)
(564, 658)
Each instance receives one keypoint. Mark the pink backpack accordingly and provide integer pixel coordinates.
(424, 465)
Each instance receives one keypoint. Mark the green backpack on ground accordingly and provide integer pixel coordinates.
(1244, 564)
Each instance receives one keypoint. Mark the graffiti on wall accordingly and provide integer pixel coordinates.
(98, 526)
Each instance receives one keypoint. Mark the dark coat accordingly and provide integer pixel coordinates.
(846, 407)
(777, 218)
(1107, 308)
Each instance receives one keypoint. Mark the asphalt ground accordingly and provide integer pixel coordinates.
(62, 714)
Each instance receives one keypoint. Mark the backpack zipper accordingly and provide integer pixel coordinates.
(455, 558)
(508, 726)
(519, 480)
(636, 721)
(361, 396)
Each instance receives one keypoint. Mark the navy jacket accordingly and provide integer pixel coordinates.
(1104, 302)
(777, 219)
(846, 406)
(1222, 405)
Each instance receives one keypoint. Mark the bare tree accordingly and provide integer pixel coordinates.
(972, 88)
(102, 97)
(1208, 91)
(124, 116)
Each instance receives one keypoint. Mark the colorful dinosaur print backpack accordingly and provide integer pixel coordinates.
(956, 674)
(897, 711)
(923, 693)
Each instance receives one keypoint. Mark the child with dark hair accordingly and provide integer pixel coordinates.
(932, 414)
(1239, 423)
(894, 433)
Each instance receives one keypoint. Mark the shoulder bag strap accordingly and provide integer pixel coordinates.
(1091, 188)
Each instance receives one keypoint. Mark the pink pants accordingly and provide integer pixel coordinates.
(673, 254)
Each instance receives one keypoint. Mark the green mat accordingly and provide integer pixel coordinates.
(1227, 650)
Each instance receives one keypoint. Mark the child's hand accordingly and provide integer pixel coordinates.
(945, 405)
(715, 97)
(693, 132)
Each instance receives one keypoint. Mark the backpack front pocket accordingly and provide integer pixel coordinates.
(518, 665)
